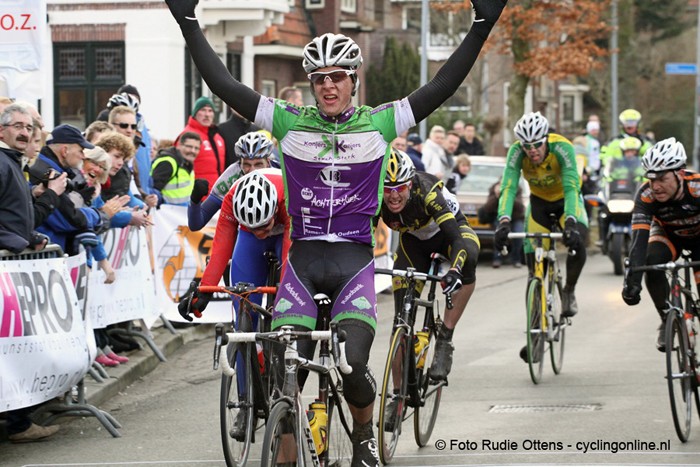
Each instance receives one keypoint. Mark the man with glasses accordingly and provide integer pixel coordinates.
(417, 205)
(548, 163)
(334, 155)
(172, 170)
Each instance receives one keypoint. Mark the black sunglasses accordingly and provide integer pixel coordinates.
(127, 125)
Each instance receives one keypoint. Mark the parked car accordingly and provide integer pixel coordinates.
(474, 189)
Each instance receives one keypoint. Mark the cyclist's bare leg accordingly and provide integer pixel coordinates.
(361, 416)
(460, 299)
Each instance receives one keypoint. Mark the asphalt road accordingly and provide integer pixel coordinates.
(611, 390)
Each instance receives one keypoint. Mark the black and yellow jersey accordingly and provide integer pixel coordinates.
(555, 178)
(430, 209)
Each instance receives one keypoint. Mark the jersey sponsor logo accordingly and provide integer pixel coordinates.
(349, 233)
(330, 176)
(543, 182)
(290, 289)
(283, 305)
(361, 303)
(325, 203)
(350, 294)
(307, 193)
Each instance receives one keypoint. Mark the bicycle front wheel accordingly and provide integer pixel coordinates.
(236, 409)
(557, 324)
(430, 392)
(535, 338)
(678, 374)
(392, 403)
(339, 452)
(281, 437)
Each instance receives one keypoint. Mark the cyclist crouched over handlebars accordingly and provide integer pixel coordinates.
(665, 221)
(429, 221)
(548, 163)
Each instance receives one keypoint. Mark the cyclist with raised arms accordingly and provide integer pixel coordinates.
(253, 151)
(548, 164)
(665, 221)
(429, 221)
(333, 157)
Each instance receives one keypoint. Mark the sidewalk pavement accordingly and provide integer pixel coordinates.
(143, 361)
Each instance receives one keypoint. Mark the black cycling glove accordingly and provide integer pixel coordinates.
(501, 235)
(451, 282)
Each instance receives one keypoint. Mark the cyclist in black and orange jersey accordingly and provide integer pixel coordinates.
(665, 221)
(429, 221)
(548, 163)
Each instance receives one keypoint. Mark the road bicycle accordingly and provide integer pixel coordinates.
(407, 383)
(546, 327)
(289, 438)
(245, 405)
(682, 327)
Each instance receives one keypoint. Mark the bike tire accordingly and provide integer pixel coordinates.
(678, 375)
(236, 451)
(426, 411)
(616, 253)
(388, 440)
(535, 340)
(558, 325)
(339, 451)
(281, 435)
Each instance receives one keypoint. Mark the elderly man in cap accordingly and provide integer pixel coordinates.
(414, 150)
(67, 226)
(211, 160)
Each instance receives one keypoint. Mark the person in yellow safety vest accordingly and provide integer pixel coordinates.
(172, 170)
(629, 119)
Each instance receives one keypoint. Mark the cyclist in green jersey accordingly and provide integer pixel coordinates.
(548, 163)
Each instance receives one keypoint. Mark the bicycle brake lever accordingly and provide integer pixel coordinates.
(219, 334)
(338, 348)
(448, 301)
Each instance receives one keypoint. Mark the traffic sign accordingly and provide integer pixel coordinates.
(681, 69)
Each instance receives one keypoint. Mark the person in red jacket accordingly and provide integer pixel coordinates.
(211, 160)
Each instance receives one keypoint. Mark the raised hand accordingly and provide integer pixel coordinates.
(487, 10)
(182, 10)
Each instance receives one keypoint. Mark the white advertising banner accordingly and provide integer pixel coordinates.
(23, 33)
(43, 348)
(131, 296)
(180, 257)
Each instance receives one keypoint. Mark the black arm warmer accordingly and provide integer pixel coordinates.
(428, 98)
(237, 95)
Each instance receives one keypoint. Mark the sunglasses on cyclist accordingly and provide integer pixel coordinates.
(336, 76)
(535, 145)
(397, 188)
(127, 125)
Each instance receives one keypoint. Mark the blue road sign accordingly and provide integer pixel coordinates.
(681, 69)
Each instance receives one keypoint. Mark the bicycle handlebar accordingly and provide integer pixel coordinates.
(240, 288)
(419, 276)
(337, 338)
(669, 266)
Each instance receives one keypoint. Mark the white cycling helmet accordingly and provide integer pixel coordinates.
(331, 50)
(532, 127)
(254, 201)
(124, 99)
(253, 145)
(399, 169)
(667, 154)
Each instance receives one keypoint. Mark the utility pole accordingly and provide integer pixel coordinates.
(613, 71)
(696, 121)
(424, 31)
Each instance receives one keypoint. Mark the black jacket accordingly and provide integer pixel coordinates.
(16, 209)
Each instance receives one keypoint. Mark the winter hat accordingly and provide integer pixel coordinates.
(592, 126)
(127, 88)
(202, 102)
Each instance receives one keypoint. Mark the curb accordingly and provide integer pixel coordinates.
(143, 361)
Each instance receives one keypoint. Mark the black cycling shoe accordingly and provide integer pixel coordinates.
(237, 432)
(661, 338)
(442, 363)
(390, 413)
(569, 306)
(535, 357)
(365, 453)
